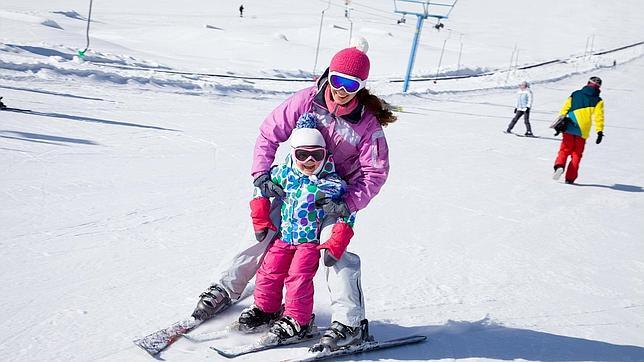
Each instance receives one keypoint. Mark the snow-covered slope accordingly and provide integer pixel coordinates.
(125, 191)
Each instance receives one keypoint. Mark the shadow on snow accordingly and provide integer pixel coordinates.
(97, 120)
(618, 187)
(485, 339)
(54, 93)
(41, 138)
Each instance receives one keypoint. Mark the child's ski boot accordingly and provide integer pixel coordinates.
(287, 329)
(253, 318)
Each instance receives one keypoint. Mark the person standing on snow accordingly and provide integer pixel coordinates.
(524, 103)
(351, 120)
(307, 176)
(241, 10)
(580, 110)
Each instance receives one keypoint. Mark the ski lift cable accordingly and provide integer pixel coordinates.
(391, 80)
(343, 6)
(371, 7)
(359, 11)
(389, 19)
(452, 8)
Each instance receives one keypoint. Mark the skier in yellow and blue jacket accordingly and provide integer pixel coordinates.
(583, 108)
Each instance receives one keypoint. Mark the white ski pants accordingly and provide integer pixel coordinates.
(343, 279)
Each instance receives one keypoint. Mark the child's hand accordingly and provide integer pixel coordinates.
(260, 208)
(341, 234)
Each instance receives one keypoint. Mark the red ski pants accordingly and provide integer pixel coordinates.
(291, 266)
(572, 146)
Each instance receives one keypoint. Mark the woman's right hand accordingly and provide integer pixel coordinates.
(267, 186)
(332, 207)
(341, 235)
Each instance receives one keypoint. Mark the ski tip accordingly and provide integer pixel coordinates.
(405, 340)
(418, 338)
(190, 338)
(152, 352)
(222, 352)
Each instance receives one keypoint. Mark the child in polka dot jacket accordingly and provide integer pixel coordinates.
(308, 175)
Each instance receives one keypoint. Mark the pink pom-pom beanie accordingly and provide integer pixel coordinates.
(351, 61)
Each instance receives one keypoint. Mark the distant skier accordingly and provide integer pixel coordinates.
(241, 10)
(307, 176)
(2, 106)
(524, 103)
(580, 110)
(351, 122)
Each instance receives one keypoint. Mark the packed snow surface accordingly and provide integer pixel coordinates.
(125, 190)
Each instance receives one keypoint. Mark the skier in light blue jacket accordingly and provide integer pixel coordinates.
(524, 103)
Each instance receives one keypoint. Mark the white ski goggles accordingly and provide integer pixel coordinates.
(348, 83)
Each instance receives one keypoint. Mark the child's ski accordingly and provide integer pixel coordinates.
(267, 341)
(234, 327)
(365, 347)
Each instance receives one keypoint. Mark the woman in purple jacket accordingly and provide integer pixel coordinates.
(351, 121)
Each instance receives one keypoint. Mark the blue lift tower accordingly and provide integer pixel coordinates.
(430, 9)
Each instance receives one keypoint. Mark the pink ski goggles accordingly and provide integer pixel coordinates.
(303, 154)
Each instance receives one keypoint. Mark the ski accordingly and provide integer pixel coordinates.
(524, 136)
(158, 341)
(212, 335)
(267, 341)
(232, 328)
(521, 135)
(365, 347)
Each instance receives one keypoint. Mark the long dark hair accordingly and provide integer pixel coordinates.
(377, 106)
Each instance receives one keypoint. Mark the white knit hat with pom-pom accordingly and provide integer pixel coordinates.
(306, 133)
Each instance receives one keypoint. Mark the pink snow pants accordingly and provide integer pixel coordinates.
(291, 266)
